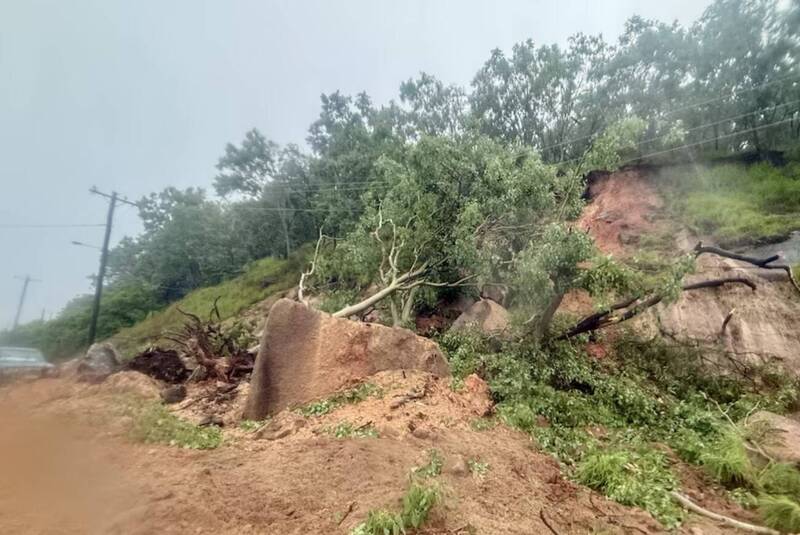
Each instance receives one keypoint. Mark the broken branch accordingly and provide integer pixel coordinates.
(690, 505)
(635, 306)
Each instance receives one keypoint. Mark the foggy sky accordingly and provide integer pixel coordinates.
(134, 96)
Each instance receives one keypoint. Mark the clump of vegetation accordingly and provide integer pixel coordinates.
(251, 425)
(780, 513)
(153, 423)
(417, 504)
(356, 394)
(639, 477)
(433, 467)
(727, 461)
(350, 430)
(736, 204)
(477, 468)
(780, 478)
(602, 419)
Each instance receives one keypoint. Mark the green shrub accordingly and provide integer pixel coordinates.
(433, 467)
(780, 478)
(780, 513)
(639, 478)
(153, 423)
(727, 461)
(416, 506)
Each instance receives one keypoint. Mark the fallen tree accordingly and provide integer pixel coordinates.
(633, 306)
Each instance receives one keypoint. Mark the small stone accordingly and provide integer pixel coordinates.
(421, 433)
(211, 419)
(457, 466)
(173, 394)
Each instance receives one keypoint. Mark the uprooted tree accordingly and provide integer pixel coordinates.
(467, 212)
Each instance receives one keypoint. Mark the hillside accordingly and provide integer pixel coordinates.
(590, 436)
(261, 279)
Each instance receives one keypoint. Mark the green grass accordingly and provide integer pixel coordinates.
(261, 279)
(735, 204)
(433, 467)
(780, 513)
(356, 394)
(251, 425)
(633, 477)
(780, 478)
(350, 430)
(153, 423)
(727, 461)
(477, 468)
(416, 506)
(607, 421)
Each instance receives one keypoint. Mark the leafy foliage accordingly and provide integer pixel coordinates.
(153, 423)
(632, 477)
(348, 396)
(349, 430)
(417, 504)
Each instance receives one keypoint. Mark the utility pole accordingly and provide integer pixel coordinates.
(101, 273)
(27, 280)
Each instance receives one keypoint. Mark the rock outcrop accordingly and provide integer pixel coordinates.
(100, 361)
(306, 354)
(485, 316)
(782, 437)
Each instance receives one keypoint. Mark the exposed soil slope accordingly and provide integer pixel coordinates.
(625, 209)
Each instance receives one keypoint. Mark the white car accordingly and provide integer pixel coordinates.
(16, 361)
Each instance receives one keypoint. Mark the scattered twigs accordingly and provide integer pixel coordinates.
(547, 522)
(765, 263)
(691, 506)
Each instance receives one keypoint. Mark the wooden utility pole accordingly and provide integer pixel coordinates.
(27, 280)
(101, 273)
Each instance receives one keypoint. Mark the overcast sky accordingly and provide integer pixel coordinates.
(134, 96)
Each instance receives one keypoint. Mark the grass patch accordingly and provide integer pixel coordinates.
(603, 418)
(780, 513)
(633, 477)
(260, 280)
(433, 467)
(735, 204)
(349, 430)
(780, 478)
(727, 461)
(477, 468)
(351, 395)
(416, 506)
(251, 425)
(153, 423)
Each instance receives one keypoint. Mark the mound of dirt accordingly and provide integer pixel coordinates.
(306, 481)
(306, 354)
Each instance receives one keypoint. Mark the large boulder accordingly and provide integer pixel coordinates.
(306, 354)
(100, 361)
(782, 435)
(485, 316)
